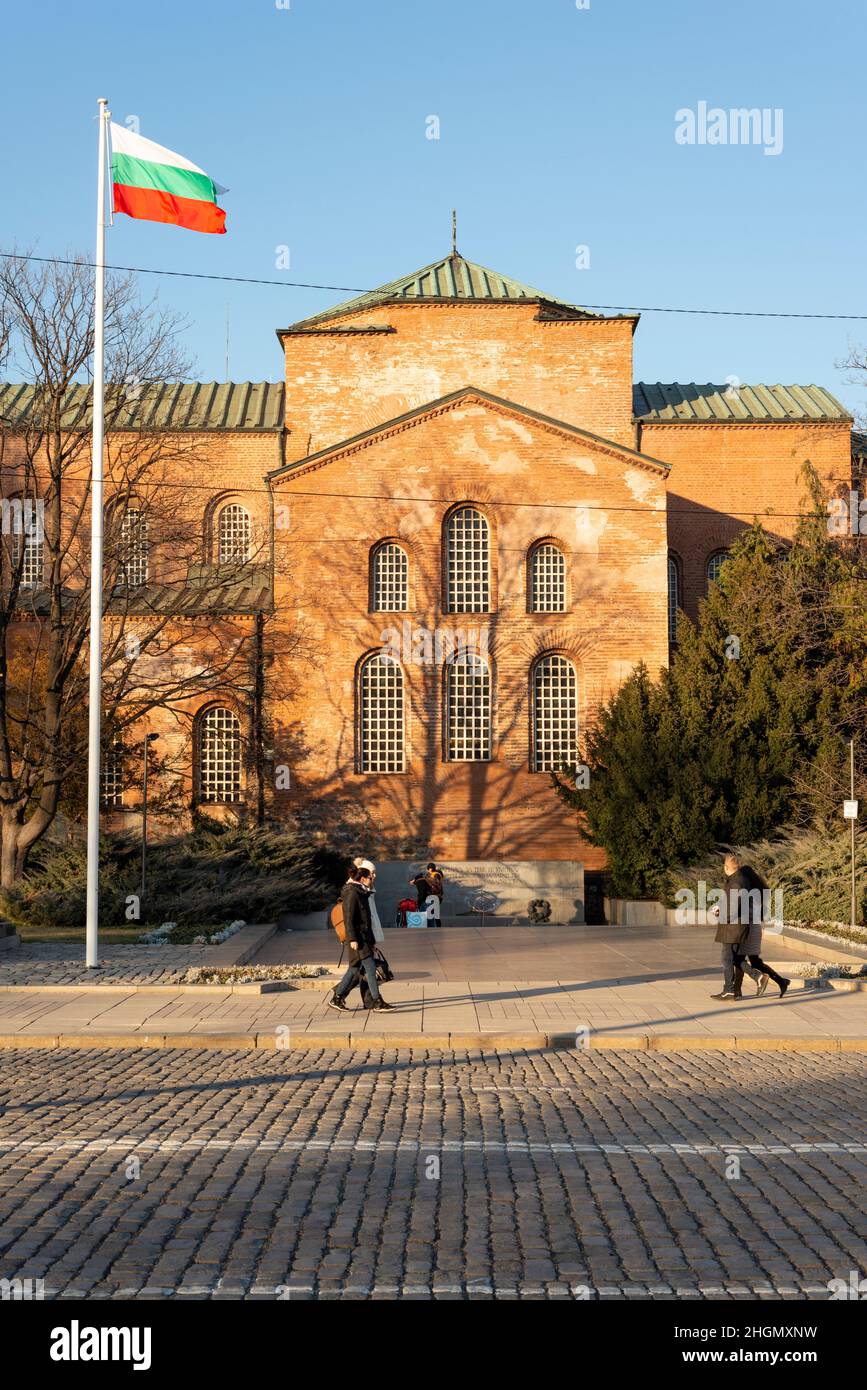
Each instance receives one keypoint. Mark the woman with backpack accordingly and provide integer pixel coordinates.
(354, 900)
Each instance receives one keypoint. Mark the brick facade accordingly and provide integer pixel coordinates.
(399, 408)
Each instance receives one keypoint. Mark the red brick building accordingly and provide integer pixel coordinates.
(471, 524)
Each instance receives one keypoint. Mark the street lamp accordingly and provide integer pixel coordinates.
(149, 738)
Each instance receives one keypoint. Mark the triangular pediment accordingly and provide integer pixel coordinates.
(469, 395)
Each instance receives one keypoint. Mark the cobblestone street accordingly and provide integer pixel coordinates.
(317, 1174)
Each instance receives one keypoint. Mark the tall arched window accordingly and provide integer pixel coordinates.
(468, 708)
(219, 755)
(233, 526)
(380, 715)
(111, 775)
(673, 597)
(134, 548)
(715, 564)
(555, 714)
(547, 579)
(23, 520)
(468, 562)
(389, 579)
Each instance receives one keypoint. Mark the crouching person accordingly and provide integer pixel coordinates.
(359, 938)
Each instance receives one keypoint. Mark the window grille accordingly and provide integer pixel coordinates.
(390, 579)
(468, 562)
(220, 756)
(381, 715)
(547, 579)
(468, 712)
(234, 532)
(134, 549)
(555, 714)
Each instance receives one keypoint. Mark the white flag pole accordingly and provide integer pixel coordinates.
(96, 525)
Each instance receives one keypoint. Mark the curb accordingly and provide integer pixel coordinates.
(326, 982)
(433, 1042)
(253, 987)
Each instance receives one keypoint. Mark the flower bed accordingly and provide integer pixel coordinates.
(188, 934)
(251, 974)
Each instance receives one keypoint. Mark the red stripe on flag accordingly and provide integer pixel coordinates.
(153, 205)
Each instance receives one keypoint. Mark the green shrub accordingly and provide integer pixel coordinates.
(213, 875)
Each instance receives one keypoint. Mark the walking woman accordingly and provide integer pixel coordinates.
(746, 895)
(359, 938)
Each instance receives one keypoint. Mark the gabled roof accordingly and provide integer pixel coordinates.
(676, 402)
(454, 398)
(452, 278)
(254, 406)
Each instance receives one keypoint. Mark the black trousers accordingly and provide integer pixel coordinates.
(758, 964)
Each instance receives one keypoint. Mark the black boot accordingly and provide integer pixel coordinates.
(738, 982)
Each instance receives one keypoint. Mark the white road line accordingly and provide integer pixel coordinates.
(127, 1144)
(561, 1289)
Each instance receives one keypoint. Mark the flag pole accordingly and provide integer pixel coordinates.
(96, 527)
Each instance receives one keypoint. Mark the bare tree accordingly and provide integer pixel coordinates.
(157, 576)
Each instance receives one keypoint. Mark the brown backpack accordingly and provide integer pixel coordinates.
(336, 922)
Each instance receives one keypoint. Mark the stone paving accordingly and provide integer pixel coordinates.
(605, 955)
(418, 1174)
(62, 963)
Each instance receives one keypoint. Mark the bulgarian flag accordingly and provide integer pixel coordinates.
(153, 183)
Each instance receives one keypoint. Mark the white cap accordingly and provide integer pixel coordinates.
(366, 864)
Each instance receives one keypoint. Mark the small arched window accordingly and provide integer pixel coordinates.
(23, 519)
(555, 714)
(468, 562)
(134, 549)
(673, 597)
(547, 579)
(468, 708)
(219, 755)
(233, 528)
(389, 579)
(380, 715)
(714, 566)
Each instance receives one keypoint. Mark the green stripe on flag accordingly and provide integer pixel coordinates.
(142, 173)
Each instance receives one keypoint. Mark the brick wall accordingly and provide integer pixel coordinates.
(724, 475)
(532, 482)
(338, 386)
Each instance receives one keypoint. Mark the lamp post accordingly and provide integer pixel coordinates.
(149, 739)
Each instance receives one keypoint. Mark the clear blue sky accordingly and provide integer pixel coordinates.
(557, 129)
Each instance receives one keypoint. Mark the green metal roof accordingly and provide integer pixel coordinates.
(206, 592)
(173, 405)
(677, 402)
(453, 277)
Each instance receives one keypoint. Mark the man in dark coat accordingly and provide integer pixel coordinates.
(740, 932)
(359, 939)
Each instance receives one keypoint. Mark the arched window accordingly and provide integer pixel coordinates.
(134, 548)
(715, 564)
(673, 597)
(219, 755)
(111, 775)
(233, 527)
(468, 562)
(23, 520)
(547, 579)
(468, 708)
(555, 714)
(380, 715)
(389, 579)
